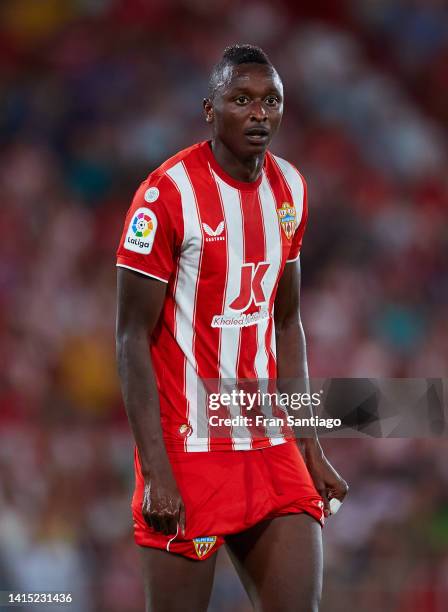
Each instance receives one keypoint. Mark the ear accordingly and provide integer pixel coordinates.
(208, 110)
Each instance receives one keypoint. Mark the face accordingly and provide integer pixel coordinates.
(247, 109)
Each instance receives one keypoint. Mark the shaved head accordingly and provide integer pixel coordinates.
(234, 56)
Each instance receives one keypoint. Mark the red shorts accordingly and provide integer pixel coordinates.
(227, 492)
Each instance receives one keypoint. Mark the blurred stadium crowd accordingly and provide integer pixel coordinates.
(94, 95)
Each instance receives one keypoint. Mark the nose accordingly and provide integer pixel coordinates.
(258, 111)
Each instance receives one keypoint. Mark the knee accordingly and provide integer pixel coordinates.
(313, 602)
(305, 603)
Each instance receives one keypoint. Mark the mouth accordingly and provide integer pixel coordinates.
(257, 135)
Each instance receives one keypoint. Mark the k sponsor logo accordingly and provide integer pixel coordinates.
(204, 545)
(251, 290)
(141, 231)
(251, 286)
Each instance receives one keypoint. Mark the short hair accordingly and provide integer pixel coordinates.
(235, 55)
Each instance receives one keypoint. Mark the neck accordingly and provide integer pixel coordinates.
(247, 170)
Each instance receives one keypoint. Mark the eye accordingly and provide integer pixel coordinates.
(272, 100)
(241, 100)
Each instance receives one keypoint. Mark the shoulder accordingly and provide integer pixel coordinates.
(286, 175)
(186, 156)
(160, 185)
(287, 172)
(158, 195)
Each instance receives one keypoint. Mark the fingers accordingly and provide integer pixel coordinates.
(162, 515)
(337, 492)
(154, 521)
(149, 516)
(322, 490)
(344, 490)
(169, 523)
(162, 521)
(340, 490)
(173, 522)
(182, 519)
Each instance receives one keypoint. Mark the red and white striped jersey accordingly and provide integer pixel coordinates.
(221, 246)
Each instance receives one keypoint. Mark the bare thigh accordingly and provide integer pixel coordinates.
(174, 583)
(280, 563)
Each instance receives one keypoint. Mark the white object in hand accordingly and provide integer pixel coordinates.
(335, 504)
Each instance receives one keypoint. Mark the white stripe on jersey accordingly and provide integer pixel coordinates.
(230, 336)
(295, 184)
(273, 254)
(185, 298)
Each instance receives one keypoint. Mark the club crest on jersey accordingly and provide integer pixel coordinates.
(141, 231)
(287, 217)
(204, 545)
(215, 234)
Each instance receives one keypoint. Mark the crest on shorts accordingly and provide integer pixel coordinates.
(204, 545)
(320, 504)
(287, 217)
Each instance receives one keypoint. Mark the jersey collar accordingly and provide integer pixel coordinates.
(242, 185)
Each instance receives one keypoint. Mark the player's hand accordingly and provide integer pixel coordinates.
(162, 507)
(327, 481)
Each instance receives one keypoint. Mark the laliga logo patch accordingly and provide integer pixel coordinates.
(141, 231)
(204, 545)
(287, 217)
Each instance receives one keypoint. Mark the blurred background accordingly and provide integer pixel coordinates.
(94, 94)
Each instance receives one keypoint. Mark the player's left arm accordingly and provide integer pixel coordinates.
(292, 373)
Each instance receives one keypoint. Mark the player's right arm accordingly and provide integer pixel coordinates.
(145, 258)
(140, 302)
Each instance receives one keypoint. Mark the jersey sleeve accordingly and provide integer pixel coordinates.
(152, 230)
(301, 207)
